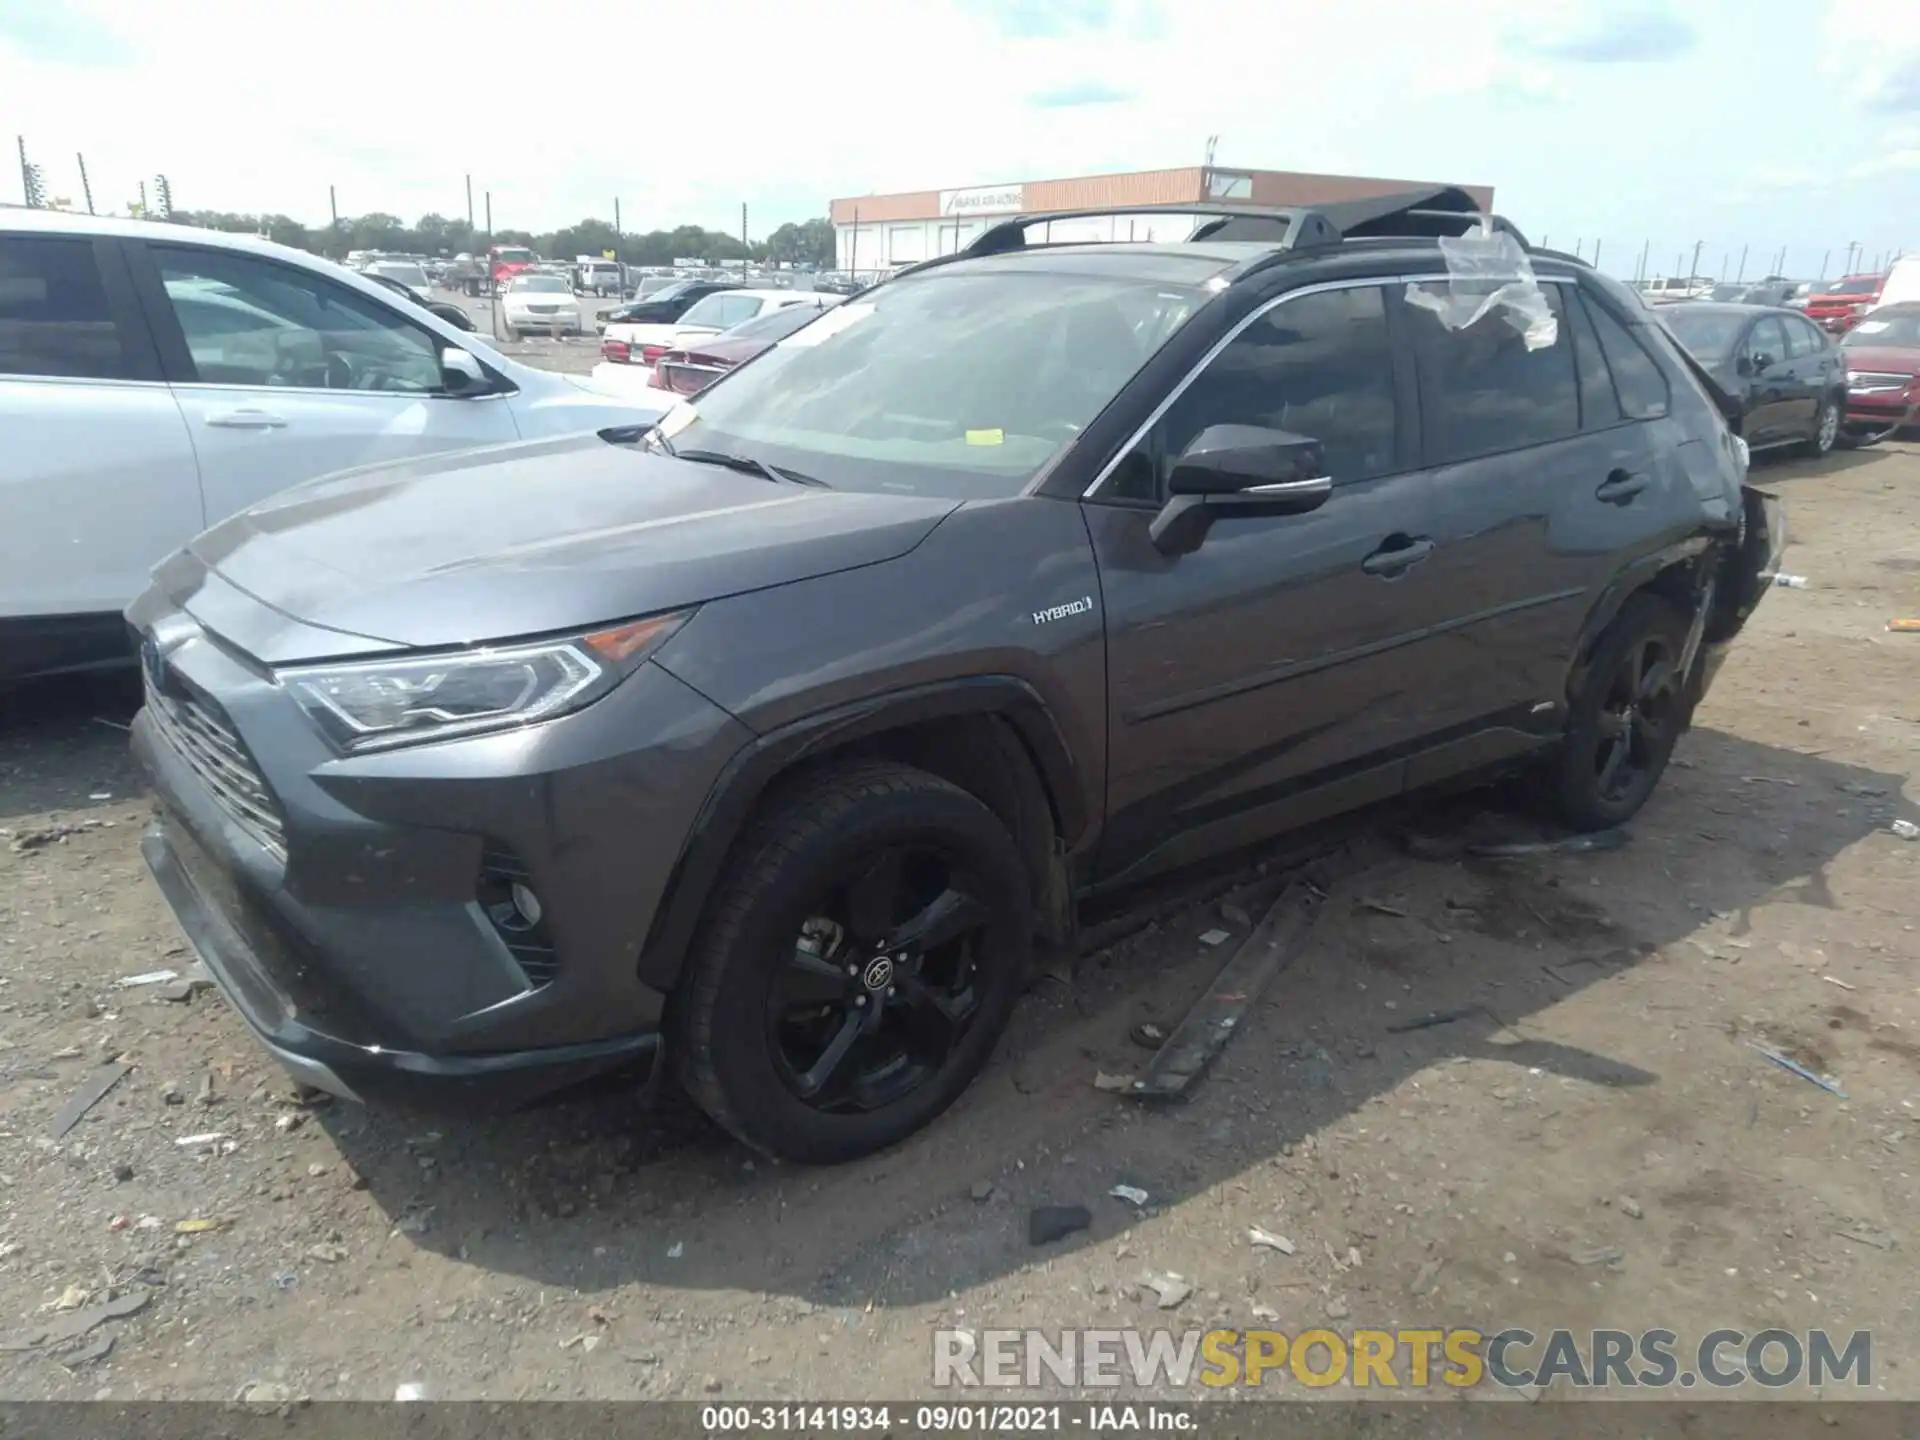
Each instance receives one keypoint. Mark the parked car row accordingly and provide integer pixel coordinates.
(1797, 385)
(635, 345)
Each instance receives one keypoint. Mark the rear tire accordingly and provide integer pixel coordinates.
(812, 1022)
(1826, 430)
(1624, 723)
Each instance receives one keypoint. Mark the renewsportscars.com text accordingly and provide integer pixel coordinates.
(1457, 1358)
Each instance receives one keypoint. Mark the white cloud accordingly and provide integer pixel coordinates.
(1873, 50)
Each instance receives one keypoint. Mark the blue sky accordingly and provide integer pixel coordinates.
(1757, 123)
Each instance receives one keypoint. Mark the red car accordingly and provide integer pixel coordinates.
(1836, 310)
(690, 370)
(1883, 373)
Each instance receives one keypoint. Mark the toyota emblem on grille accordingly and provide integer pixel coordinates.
(879, 974)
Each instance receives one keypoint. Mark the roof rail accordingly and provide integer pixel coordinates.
(1445, 210)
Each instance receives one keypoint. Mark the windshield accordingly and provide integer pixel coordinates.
(1898, 332)
(1859, 285)
(508, 255)
(1708, 334)
(550, 284)
(946, 384)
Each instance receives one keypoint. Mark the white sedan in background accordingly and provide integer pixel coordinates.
(536, 303)
(630, 352)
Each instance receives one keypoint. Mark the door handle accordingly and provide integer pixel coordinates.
(1620, 487)
(247, 417)
(1391, 559)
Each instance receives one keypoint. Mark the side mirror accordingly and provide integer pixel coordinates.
(461, 374)
(1238, 470)
(1760, 362)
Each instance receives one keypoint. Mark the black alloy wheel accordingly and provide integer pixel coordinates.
(856, 964)
(1636, 726)
(882, 984)
(1631, 709)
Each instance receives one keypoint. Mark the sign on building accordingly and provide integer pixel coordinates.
(984, 200)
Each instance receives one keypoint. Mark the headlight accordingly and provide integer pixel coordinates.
(382, 703)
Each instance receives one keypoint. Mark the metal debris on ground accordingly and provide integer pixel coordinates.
(1597, 1255)
(1380, 907)
(1861, 1235)
(88, 1096)
(80, 1322)
(1113, 1083)
(1432, 1018)
(1790, 582)
(1132, 1194)
(1148, 1035)
(1216, 937)
(199, 1225)
(1587, 844)
(1832, 980)
(410, 1390)
(1785, 1063)
(328, 1252)
(151, 977)
(1904, 627)
(1168, 1289)
(1047, 1223)
(1267, 1240)
(1204, 1033)
(1905, 829)
(194, 1142)
(97, 1348)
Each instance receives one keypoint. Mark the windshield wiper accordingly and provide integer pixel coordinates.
(746, 464)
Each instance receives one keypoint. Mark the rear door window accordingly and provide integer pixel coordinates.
(55, 318)
(1599, 405)
(1637, 378)
(1768, 340)
(1483, 392)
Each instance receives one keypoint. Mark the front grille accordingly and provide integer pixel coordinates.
(200, 735)
(1871, 380)
(530, 943)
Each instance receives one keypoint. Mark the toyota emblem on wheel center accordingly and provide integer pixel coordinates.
(879, 974)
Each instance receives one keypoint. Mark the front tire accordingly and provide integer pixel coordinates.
(1629, 713)
(856, 965)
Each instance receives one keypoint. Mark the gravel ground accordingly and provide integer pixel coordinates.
(1593, 1143)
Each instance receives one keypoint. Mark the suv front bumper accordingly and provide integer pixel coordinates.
(356, 933)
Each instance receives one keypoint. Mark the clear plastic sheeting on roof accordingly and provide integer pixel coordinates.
(1488, 271)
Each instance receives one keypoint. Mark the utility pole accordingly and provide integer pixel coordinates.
(493, 301)
(143, 199)
(33, 188)
(1741, 273)
(1697, 246)
(1645, 246)
(853, 245)
(1852, 245)
(616, 217)
(469, 204)
(1825, 256)
(163, 196)
(86, 187)
(1596, 254)
(743, 225)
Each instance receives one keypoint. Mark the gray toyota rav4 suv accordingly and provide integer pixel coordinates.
(758, 747)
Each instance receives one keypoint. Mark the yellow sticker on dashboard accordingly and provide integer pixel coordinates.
(986, 437)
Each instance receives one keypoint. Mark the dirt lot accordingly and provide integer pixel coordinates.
(1604, 1094)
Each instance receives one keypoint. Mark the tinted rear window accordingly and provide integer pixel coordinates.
(1485, 392)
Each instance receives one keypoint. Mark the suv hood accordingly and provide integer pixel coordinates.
(526, 539)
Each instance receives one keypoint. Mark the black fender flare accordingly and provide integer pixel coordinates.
(745, 778)
(1640, 575)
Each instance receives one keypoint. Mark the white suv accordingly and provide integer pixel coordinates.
(155, 379)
